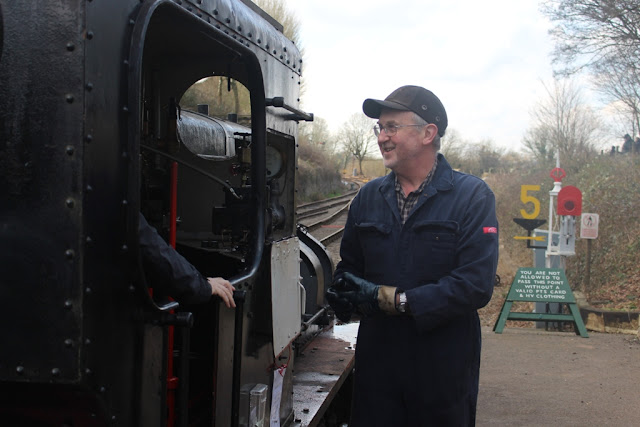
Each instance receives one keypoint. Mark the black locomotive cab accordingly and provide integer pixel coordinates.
(185, 112)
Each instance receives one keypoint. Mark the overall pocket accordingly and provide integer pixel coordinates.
(377, 246)
(434, 246)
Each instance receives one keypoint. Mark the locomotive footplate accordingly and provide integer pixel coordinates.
(321, 371)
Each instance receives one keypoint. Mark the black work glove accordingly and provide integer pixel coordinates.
(368, 297)
(340, 305)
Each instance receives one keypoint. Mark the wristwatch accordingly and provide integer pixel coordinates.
(403, 306)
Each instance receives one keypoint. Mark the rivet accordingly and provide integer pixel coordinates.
(125, 62)
(102, 389)
(69, 253)
(249, 35)
(239, 29)
(87, 290)
(259, 41)
(89, 35)
(88, 138)
(125, 203)
(89, 188)
(20, 370)
(275, 51)
(69, 98)
(88, 371)
(125, 248)
(87, 341)
(132, 288)
(228, 21)
(69, 150)
(285, 49)
(125, 109)
(215, 11)
(68, 304)
(55, 372)
(132, 22)
(125, 154)
(68, 343)
(70, 47)
(88, 240)
(70, 203)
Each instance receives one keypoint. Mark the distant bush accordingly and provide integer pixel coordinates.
(318, 174)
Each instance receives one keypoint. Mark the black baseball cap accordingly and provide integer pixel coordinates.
(411, 98)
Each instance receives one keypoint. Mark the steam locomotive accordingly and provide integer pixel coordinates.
(94, 130)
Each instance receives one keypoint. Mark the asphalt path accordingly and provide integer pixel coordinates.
(531, 377)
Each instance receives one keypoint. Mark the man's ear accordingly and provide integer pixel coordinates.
(429, 133)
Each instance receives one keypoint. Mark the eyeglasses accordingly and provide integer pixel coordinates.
(390, 130)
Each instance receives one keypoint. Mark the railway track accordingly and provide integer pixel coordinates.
(325, 219)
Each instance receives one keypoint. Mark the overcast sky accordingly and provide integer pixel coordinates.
(484, 59)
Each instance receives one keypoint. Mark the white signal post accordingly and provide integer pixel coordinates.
(557, 174)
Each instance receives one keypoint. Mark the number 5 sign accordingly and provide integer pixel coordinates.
(589, 226)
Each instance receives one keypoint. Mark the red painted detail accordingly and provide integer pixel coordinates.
(570, 201)
(557, 174)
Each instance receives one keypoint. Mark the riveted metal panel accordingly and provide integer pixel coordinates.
(41, 190)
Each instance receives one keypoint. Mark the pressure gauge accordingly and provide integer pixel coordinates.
(274, 162)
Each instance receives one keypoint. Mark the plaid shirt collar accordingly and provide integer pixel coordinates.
(406, 204)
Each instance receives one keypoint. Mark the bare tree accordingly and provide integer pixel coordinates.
(452, 147)
(588, 32)
(483, 157)
(562, 124)
(317, 133)
(357, 137)
(621, 82)
(603, 38)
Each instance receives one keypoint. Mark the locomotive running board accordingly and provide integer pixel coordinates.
(321, 371)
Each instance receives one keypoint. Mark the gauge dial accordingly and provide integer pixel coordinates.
(274, 162)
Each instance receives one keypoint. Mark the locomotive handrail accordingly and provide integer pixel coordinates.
(278, 101)
(195, 168)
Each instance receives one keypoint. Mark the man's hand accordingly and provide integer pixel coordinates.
(223, 289)
(368, 297)
(340, 305)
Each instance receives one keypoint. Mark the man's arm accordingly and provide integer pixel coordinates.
(172, 274)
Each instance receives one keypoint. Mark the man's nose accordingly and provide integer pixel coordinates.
(382, 136)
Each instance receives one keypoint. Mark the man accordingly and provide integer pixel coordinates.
(172, 274)
(418, 258)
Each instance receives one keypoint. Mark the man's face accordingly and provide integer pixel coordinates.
(400, 151)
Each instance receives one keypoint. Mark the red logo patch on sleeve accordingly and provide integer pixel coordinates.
(488, 230)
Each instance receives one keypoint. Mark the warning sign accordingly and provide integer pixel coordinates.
(589, 226)
(541, 285)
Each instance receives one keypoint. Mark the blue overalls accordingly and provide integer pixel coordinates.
(422, 369)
